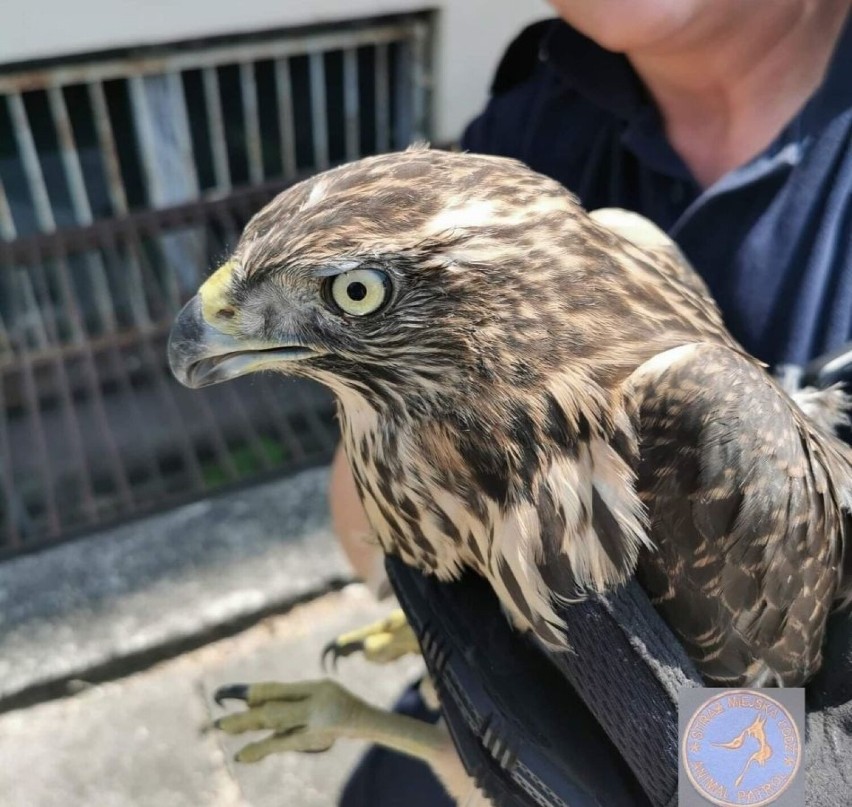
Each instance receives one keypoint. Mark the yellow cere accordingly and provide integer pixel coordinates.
(214, 298)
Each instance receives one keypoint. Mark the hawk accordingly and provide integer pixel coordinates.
(547, 397)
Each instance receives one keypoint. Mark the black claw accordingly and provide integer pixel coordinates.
(237, 692)
(336, 651)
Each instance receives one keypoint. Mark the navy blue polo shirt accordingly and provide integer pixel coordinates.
(772, 239)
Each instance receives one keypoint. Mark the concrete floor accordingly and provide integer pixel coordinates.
(143, 740)
(143, 609)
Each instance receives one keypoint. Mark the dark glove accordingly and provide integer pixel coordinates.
(828, 745)
(597, 726)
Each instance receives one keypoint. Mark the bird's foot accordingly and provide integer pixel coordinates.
(381, 642)
(310, 715)
(307, 716)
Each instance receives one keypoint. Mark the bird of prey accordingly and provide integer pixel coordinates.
(547, 397)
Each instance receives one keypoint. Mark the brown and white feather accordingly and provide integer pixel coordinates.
(553, 400)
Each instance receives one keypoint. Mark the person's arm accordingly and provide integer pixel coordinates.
(350, 523)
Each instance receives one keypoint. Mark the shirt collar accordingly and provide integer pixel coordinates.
(603, 77)
(609, 81)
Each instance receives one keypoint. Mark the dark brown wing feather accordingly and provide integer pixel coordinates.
(746, 503)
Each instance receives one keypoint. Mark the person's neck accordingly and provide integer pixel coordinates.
(727, 93)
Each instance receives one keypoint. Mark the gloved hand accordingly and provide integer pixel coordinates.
(498, 691)
(828, 742)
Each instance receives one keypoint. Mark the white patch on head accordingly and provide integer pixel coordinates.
(486, 212)
(317, 194)
(468, 216)
(481, 214)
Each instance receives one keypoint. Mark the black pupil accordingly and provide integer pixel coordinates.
(356, 291)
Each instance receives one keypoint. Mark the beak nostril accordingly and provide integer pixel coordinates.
(225, 313)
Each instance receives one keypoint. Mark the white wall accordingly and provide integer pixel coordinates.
(471, 33)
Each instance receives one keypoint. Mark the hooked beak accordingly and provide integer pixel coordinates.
(201, 354)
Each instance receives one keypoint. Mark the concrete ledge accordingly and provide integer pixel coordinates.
(103, 606)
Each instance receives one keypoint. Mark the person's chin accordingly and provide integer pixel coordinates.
(624, 26)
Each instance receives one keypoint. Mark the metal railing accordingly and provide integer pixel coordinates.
(122, 181)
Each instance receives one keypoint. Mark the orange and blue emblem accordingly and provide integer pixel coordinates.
(741, 747)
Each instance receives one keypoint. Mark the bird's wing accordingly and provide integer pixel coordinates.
(748, 504)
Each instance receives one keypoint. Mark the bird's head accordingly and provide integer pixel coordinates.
(406, 277)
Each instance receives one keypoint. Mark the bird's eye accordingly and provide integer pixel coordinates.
(361, 291)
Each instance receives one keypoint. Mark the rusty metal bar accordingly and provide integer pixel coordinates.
(350, 104)
(40, 445)
(248, 91)
(80, 199)
(32, 166)
(94, 389)
(99, 345)
(136, 287)
(419, 84)
(180, 124)
(166, 281)
(286, 132)
(8, 231)
(216, 128)
(5, 343)
(111, 346)
(153, 365)
(74, 434)
(120, 372)
(32, 308)
(68, 152)
(13, 506)
(281, 424)
(194, 59)
(189, 213)
(319, 116)
(108, 149)
(147, 139)
(93, 303)
(382, 85)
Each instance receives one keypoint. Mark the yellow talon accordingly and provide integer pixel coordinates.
(380, 642)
